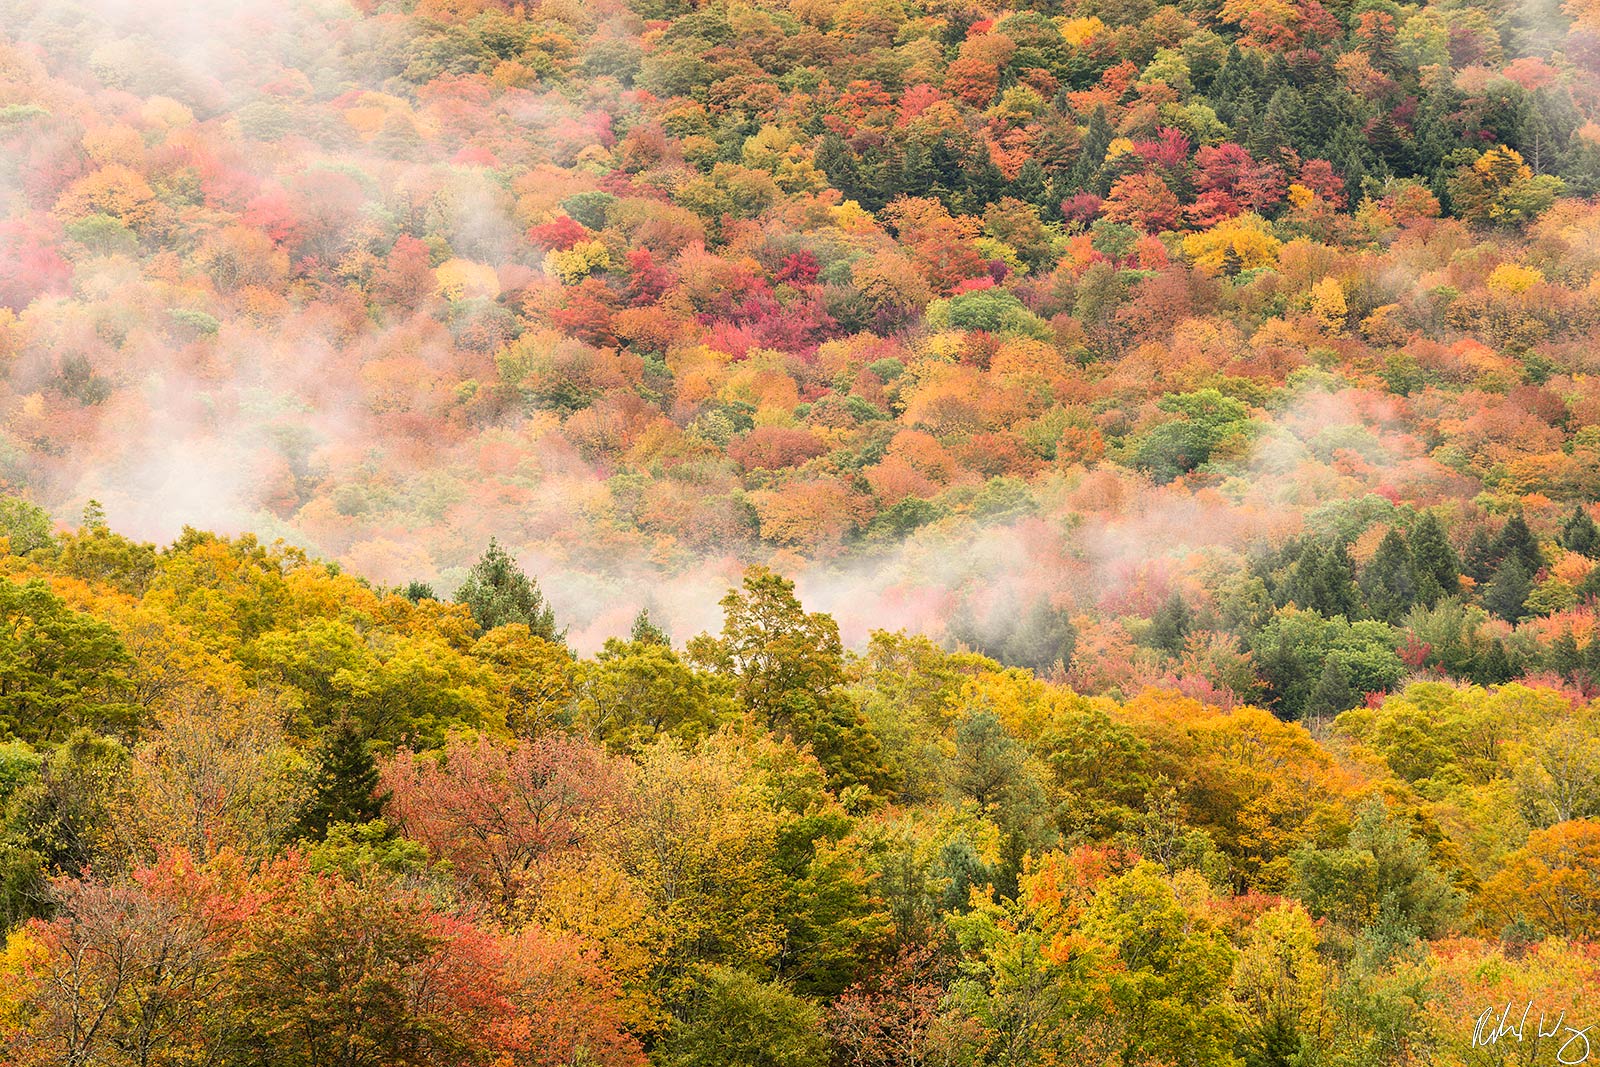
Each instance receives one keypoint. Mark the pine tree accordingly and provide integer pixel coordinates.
(1029, 183)
(345, 789)
(499, 593)
(1332, 694)
(1436, 568)
(1507, 593)
(646, 632)
(1042, 637)
(984, 181)
(1336, 583)
(1387, 582)
(1478, 562)
(1579, 533)
(834, 158)
(1591, 664)
(1565, 657)
(1517, 542)
(916, 170)
(1091, 153)
(1170, 625)
(416, 592)
(1302, 584)
(1492, 666)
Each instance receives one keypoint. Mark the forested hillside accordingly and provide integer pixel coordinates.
(793, 533)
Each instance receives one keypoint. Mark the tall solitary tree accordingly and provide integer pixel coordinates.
(499, 593)
(787, 669)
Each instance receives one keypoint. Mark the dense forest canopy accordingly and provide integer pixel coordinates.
(793, 533)
(953, 313)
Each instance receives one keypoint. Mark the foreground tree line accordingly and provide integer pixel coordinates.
(257, 811)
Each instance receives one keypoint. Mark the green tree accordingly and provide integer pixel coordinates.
(635, 691)
(1173, 973)
(771, 646)
(59, 669)
(25, 526)
(1437, 569)
(65, 814)
(1042, 637)
(345, 789)
(1382, 874)
(1516, 541)
(96, 554)
(498, 592)
(1479, 559)
(993, 771)
(1279, 983)
(645, 631)
(1387, 581)
(787, 670)
(417, 592)
(1332, 693)
(735, 1020)
(1293, 648)
(1580, 534)
(1170, 625)
(1507, 593)
(1206, 419)
(1335, 584)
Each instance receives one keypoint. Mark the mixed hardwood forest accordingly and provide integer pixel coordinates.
(1187, 415)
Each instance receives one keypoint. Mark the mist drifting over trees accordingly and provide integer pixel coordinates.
(782, 533)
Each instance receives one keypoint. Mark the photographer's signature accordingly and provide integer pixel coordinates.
(1506, 1024)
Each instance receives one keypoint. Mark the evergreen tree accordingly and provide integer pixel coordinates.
(1060, 190)
(834, 158)
(1169, 627)
(993, 771)
(1336, 583)
(1492, 666)
(1517, 542)
(1387, 582)
(1042, 638)
(1302, 584)
(984, 181)
(1332, 694)
(1579, 533)
(1591, 664)
(417, 592)
(1478, 562)
(1390, 144)
(345, 789)
(1091, 153)
(1029, 184)
(1566, 659)
(916, 170)
(499, 593)
(1435, 566)
(1589, 588)
(646, 632)
(1507, 593)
